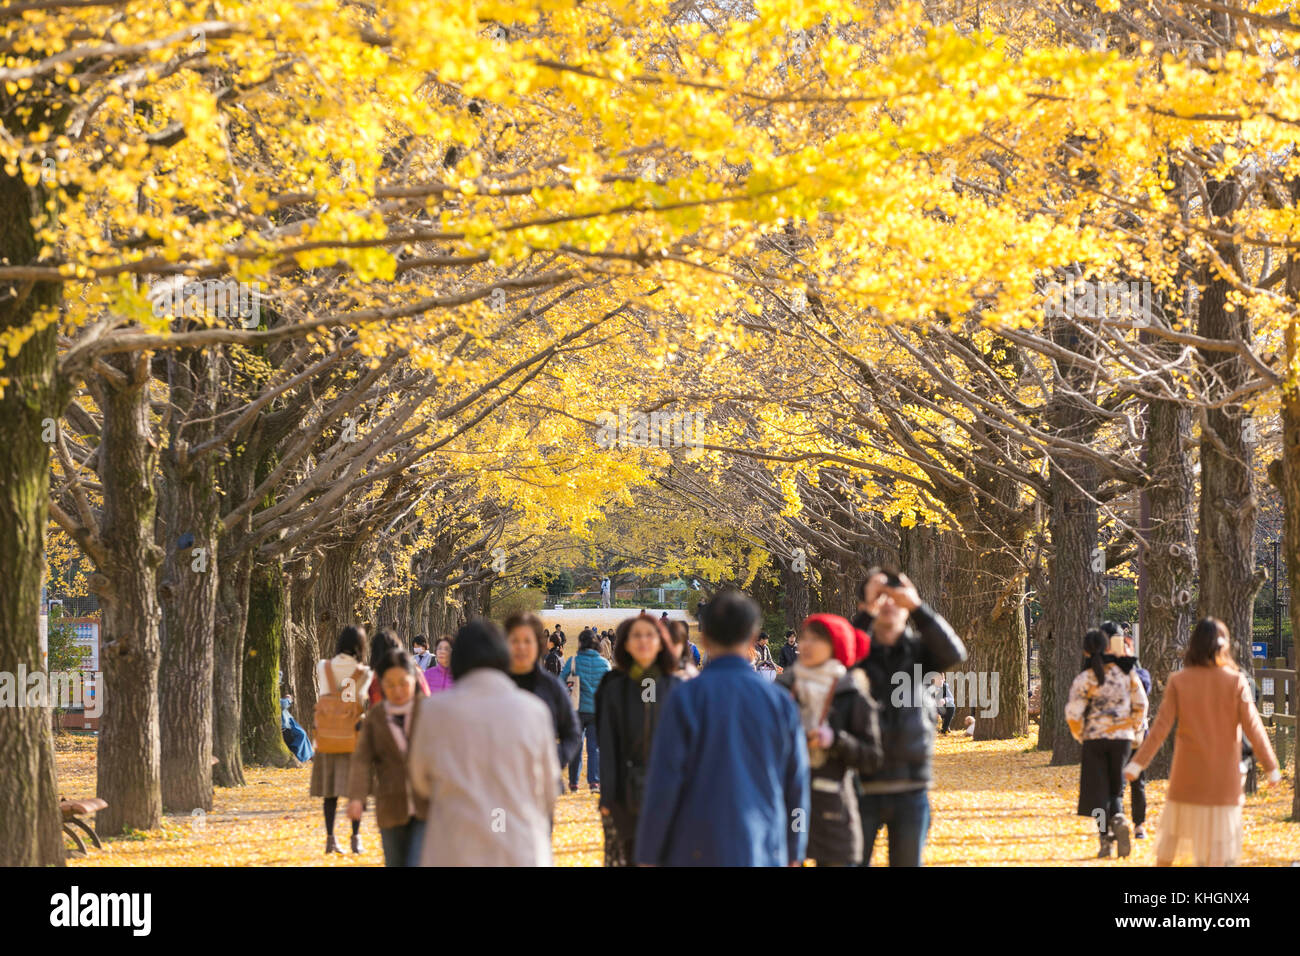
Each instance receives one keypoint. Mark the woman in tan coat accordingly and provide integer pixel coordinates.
(1212, 703)
(484, 757)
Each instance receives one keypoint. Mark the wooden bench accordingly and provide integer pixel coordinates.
(73, 811)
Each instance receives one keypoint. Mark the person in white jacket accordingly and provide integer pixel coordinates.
(483, 755)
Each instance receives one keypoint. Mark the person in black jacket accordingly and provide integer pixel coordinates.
(526, 638)
(628, 704)
(843, 727)
(789, 650)
(905, 632)
(553, 663)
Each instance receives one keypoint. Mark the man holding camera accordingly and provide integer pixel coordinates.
(905, 632)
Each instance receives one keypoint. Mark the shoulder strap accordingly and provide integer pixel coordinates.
(330, 678)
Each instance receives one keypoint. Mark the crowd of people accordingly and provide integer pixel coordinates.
(726, 754)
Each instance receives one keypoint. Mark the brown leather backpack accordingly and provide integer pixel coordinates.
(338, 719)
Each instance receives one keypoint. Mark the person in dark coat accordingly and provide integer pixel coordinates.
(628, 705)
(553, 662)
(789, 650)
(906, 635)
(843, 727)
(1138, 787)
(525, 638)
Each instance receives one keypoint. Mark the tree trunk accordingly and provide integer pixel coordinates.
(335, 598)
(30, 823)
(188, 593)
(1226, 539)
(987, 598)
(795, 585)
(302, 613)
(1073, 604)
(1169, 568)
(129, 749)
(232, 617)
(1285, 474)
(263, 744)
(922, 557)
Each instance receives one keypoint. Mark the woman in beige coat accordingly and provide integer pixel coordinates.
(483, 755)
(1212, 703)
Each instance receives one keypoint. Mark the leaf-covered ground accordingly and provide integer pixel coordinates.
(994, 803)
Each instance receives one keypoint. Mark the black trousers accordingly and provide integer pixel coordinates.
(947, 713)
(1138, 792)
(1101, 780)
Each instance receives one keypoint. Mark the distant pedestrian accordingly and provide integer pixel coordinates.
(438, 677)
(789, 650)
(420, 647)
(590, 669)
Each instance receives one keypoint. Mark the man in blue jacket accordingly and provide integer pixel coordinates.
(728, 777)
(591, 669)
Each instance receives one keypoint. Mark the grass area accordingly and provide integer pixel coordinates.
(994, 803)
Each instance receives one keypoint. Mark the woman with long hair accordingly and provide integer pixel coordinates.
(330, 771)
(688, 656)
(1212, 703)
(628, 705)
(1105, 709)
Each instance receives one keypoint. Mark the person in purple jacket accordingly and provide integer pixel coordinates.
(438, 677)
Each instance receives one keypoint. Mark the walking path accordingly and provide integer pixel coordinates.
(994, 802)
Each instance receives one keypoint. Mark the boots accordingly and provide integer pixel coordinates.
(1119, 826)
(1103, 852)
(356, 843)
(332, 845)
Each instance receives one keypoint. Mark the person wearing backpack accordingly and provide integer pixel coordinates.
(589, 667)
(1105, 708)
(842, 723)
(344, 682)
(379, 763)
(628, 704)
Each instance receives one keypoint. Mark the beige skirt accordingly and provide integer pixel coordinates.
(1213, 832)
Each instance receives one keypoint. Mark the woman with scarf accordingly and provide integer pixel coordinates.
(379, 764)
(843, 726)
(628, 704)
(1106, 708)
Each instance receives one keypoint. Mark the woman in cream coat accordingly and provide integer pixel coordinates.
(483, 755)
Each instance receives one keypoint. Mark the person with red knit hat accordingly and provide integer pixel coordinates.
(841, 721)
